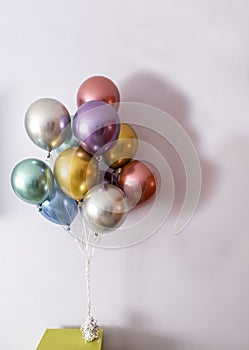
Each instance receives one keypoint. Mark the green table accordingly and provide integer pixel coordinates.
(68, 339)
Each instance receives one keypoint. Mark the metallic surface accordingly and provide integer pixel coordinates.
(138, 182)
(96, 124)
(124, 149)
(98, 88)
(70, 140)
(47, 123)
(32, 180)
(75, 172)
(59, 208)
(104, 208)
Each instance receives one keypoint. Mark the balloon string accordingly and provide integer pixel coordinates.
(90, 327)
(89, 251)
(88, 286)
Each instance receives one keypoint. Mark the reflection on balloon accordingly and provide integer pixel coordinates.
(59, 208)
(98, 88)
(70, 141)
(84, 142)
(76, 172)
(138, 182)
(47, 123)
(105, 208)
(32, 180)
(124, 149)
(96, 124)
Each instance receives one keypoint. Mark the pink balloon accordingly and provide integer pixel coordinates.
(138, 182)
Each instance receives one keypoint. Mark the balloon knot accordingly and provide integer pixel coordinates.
(48, 156)
(117, 171)
(99, 158)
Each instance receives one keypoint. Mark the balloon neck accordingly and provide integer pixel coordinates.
(39, 208)
(99, 158)
(117, 171)
(80, 203)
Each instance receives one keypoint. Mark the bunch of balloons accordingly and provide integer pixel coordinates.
(76, 184)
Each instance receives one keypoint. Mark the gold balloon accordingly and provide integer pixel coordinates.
(123, 149)
(76, 171)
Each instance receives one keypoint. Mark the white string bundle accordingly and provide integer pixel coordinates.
(90, 328)
(88, 285)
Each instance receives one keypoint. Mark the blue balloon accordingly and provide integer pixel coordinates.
(59, 208)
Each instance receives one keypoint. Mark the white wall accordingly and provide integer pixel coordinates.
(190, 58)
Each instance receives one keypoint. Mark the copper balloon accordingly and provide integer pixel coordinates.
(138, 182)
(76, 172)
(123, 149)
(98, 88)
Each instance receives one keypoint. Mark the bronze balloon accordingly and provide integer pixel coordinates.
(98, 88)
(76, 172)
(123, 149)
(138, 182)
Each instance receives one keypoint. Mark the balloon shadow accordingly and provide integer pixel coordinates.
(148, 88)
(133, 339)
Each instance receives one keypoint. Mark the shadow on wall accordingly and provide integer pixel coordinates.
(134, 339)
(124, 338)
(147, 88)
(117, 338)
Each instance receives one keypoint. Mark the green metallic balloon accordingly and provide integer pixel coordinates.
(32, 180)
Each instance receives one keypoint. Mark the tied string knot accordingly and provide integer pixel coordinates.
(90, 329)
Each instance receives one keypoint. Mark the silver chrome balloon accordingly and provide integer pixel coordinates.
(104, 208)
(47, 123)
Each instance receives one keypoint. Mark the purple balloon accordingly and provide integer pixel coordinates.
(96, 125)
